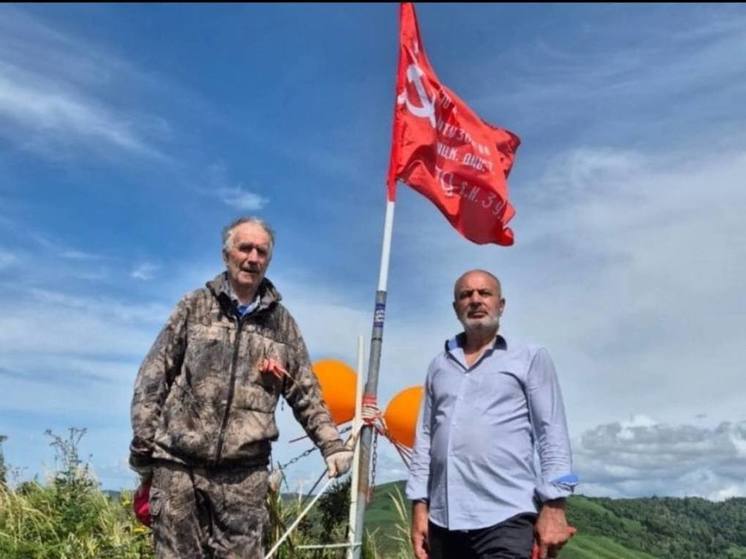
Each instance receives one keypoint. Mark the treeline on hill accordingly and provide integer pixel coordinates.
(69, 517)
(647, 528)
(666, 527)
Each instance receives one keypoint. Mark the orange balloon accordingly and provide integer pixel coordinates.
(338, 382)
(402, 413)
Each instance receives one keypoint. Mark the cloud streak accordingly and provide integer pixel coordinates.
(7, 259)
(61, 115)
(144, 272)
(678, 75)
(55, 94)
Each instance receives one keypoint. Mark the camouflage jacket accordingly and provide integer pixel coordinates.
(200, 398)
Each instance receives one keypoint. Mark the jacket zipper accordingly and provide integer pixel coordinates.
(231, 390)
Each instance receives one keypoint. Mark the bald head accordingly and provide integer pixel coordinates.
(487, 276)
(478, 302)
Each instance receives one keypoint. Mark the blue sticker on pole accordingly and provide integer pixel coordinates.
(379, 315)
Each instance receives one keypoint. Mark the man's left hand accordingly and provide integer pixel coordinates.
(552, 529)
(338, 464)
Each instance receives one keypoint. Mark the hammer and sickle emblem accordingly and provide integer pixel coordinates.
(426, 109)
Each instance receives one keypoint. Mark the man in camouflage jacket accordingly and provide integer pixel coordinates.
(204, 402)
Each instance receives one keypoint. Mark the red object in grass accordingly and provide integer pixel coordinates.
(141, 503)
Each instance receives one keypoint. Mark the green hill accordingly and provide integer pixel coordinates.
(647, 528)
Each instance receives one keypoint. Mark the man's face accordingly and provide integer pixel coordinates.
(478, 302)
(248, 256)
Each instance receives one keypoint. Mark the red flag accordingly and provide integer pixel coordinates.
(443, 150)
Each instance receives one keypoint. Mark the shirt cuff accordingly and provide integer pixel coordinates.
(143, 465)
(332, 447)
(558, 488)
(416, 490)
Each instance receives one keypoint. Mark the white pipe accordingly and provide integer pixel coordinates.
(324, 546)
(300, 517)
(356, 424)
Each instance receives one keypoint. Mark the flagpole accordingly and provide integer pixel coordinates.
(371, 384)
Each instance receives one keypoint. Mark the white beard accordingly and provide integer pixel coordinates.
(481, 324)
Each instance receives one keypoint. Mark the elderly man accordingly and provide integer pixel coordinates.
(488, 398)
(204, 402)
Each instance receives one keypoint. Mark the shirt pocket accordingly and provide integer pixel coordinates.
(208, 350)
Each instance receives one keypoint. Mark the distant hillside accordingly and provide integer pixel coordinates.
(649, 528)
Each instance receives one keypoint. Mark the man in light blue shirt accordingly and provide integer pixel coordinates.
(489, 403)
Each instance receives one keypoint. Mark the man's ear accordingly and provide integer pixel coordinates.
(502, 305)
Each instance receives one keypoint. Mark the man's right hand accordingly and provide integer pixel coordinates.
(142, 465)
(419, 530)
(338, 464)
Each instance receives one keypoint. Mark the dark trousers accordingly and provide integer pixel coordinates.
(510, 539)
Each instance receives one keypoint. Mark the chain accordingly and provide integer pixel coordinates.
(281, 467)
(305, 453)
(299, 457)
(302, 455)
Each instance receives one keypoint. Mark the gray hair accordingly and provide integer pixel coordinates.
(228, 230)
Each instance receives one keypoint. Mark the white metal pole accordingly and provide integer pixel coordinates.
(383, 274)
(357, 422)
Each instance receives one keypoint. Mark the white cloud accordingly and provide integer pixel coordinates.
(241, 199)
(644, 458)
(229, 191)
(144, 272)
(648, 263)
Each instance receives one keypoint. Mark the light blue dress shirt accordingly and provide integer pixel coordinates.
(478, 430)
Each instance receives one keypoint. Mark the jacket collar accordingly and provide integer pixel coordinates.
(220, 287)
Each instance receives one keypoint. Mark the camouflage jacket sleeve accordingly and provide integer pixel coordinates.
(304, 396)
(156, 374)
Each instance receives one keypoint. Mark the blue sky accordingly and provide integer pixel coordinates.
(130, 134)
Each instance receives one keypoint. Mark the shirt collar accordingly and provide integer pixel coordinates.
(455, 348)
(241, 309)
(249, 308)
(457, 342)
